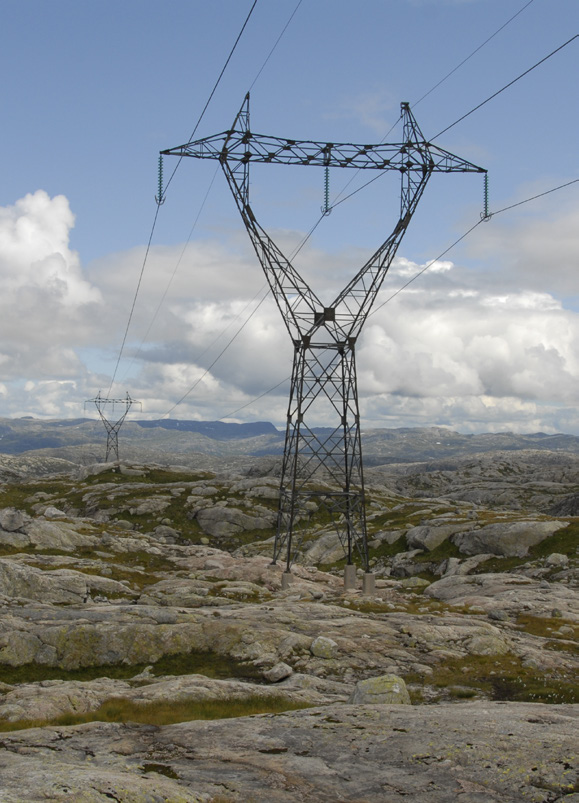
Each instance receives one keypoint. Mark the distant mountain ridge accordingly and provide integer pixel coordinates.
(174, 440)
(218, 430)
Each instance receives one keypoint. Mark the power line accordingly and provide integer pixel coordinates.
(257, 398)
(466, 234)
(316, 224)
(338, 201)
(231, 52)
(484, 102)
(214, 175)
(534, 197)
(474, 52)
(134, 299)
(169, 283)
(277, 41)
(160, 199)
(420, 273)
(221, 353)
(514, 81)
(212, 180)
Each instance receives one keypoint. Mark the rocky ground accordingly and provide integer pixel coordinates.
(149, 653)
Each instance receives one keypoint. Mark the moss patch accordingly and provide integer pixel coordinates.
(166, 713)
(503, 678)
(192, 663)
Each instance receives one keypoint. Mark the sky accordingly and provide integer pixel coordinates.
(486, 339)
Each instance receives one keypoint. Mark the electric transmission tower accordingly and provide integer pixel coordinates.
(324, 465)
(111, 423)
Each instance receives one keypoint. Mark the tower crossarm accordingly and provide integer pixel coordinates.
(245, 147)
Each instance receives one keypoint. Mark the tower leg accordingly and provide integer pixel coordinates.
(324, 388)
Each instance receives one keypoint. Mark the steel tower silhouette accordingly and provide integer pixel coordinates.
(112, 427)
(323, 465)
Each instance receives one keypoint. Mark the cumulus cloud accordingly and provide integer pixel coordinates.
(35, 255)
(484, 347)
(47, 307)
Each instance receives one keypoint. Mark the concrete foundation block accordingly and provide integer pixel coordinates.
(349, 576)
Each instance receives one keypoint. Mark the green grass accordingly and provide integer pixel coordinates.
(547, 627)
(166, 713)
(501, 678)
(155, 476)
(193, 663)
(19, 495)
(564, 541)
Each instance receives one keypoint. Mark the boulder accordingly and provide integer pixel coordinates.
(13, 520)
(453, 566)
(430, 536)
(508, 539)
(323, 647)
(556, 559)
(385, 689)
(52, 512)
(280, 671)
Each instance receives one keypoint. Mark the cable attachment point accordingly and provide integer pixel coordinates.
(159, 197)
(485, 214)
(326, 208)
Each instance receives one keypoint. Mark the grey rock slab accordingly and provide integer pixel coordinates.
(508, 539)
(456, 566)
(41, 534)
(50, 699)
(510, 592)
(430, 536)
(60, 586)
(223, 521)
(470, 753)
(280, 630)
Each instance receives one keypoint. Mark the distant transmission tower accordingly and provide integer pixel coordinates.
(324, 384)
(112, 426)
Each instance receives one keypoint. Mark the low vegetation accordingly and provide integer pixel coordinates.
(165, 713)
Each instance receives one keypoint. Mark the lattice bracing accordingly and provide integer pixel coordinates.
(107, 408)
(323, 466)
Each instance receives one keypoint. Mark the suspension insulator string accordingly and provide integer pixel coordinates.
(326, 208)
(159, 197)
(485, 214)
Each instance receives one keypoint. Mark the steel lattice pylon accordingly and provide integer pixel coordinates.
(112, 427)
(324, 369)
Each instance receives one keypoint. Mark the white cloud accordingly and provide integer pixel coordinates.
(538, 251)
(35, 253)
(490, 348)
(46, 305)
(377, 110)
